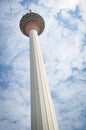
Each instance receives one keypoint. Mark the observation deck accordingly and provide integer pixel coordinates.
(32, 21)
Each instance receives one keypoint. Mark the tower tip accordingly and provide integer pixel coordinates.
(30, 11)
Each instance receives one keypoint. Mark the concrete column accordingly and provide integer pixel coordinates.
(42, 111)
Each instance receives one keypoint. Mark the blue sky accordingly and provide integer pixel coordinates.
(63, 45)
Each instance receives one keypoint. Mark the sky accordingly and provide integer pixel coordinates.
(63, 46)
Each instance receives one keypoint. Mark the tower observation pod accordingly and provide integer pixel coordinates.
(43, 115)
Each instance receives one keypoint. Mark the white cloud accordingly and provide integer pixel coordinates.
(60, 4)
(83, 9)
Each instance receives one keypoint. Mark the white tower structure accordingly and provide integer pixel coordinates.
(43, 115)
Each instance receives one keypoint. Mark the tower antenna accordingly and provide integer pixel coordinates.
(30, 11)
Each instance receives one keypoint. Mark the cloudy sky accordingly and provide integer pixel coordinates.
(63, 45)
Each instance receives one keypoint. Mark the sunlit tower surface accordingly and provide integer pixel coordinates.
(43, 115)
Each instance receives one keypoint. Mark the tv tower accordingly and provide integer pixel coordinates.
(43, 115)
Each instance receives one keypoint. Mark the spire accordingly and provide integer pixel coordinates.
(30, 11)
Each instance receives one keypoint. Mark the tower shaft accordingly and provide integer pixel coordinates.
(42, 112)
